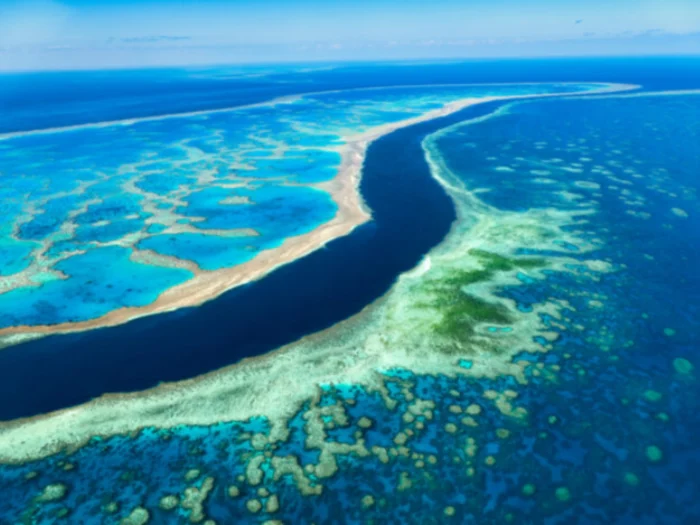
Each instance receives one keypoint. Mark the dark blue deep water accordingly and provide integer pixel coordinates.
(45, 100)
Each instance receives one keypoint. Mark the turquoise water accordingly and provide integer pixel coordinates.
(604, 431)
(213, 189)
(99, 279)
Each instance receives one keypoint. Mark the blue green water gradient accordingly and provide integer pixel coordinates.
(610, 410)
(212, 190)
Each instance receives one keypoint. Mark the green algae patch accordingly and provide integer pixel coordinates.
(494, 262)
(462, 311)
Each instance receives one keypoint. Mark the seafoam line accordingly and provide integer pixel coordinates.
(279, 100)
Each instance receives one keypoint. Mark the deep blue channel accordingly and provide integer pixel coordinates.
(411, 214)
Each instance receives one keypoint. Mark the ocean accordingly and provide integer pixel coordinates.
(515, 333)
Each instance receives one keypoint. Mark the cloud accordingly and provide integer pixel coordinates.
(654, 32)
(153, 39)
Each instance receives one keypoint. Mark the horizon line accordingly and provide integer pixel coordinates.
(342, 61)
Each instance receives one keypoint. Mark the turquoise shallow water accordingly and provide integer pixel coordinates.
(611, 410)
(100, 278)
(213, 189)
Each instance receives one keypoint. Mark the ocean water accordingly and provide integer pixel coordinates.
(359, 267)
(181, 186)
(45, 100)
(546, 351)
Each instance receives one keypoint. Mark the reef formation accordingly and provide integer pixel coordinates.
(115, 220)
(513, 375)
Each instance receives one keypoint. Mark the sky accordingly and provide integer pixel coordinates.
(85, 34)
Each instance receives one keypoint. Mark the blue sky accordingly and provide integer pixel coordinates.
(68, 34)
